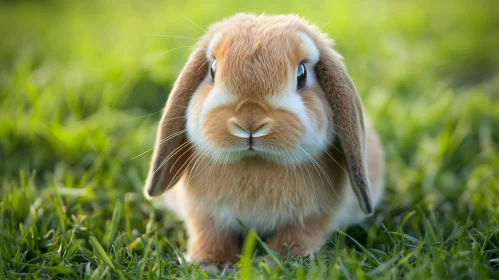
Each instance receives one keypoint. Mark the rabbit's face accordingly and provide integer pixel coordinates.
(260, 97)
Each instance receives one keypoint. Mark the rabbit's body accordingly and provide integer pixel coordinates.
(271, 133)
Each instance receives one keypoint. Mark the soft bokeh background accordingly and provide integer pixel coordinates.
(82, 84)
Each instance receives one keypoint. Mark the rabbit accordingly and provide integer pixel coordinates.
(264, 127)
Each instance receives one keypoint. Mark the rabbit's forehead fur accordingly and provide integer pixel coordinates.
(258, 63)
(257, 56)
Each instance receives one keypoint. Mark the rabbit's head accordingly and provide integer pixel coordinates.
(264, 87)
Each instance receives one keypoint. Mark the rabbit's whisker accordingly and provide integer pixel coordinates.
(301, 169)
(285, 165)
(178, 149)
(187, 26)
(211, 175)
(196, 164)
(181, 106)
(167, 51)
(293, 172)
(204, 31)
(191, 147)
(330, 182)
(332, 123)
(316, 164)
(173, 135)
(329, 21)
(204, 63)
(174, 36)
(313, 186)
(331, 156)
(169, 156)
(135, 118)
(333, 131)
(312, 163)
(188, 162)
(210, 164)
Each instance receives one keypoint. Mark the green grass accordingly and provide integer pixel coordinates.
(82, 85)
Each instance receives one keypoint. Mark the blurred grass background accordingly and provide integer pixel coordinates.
(82, 84)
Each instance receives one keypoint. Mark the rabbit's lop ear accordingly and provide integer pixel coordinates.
(172, 149)
(349, 120)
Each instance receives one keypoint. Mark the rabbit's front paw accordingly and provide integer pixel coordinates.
(215, 255)
(218, 268)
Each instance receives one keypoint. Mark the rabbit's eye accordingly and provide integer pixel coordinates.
(301, 76)
(213, 69)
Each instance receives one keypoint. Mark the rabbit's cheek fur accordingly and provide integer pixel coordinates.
(309, 107)
(318, 134)
(195, 114)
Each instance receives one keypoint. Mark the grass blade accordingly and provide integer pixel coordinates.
(115, 223)
(248, 248)
(101, 253)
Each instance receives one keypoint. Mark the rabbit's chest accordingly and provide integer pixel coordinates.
(258, 216)
(264, 199)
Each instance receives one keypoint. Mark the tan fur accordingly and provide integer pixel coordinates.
(208, 245)
(295, 202)
(301, 238)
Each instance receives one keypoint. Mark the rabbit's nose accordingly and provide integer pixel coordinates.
(248, 129)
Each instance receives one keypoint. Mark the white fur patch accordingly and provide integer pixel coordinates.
(312, 57)
(291, 101)
(211, 46)
(264, 221)
(217, 97)
(310, 48)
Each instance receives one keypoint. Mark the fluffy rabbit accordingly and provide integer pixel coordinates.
(264, 126)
